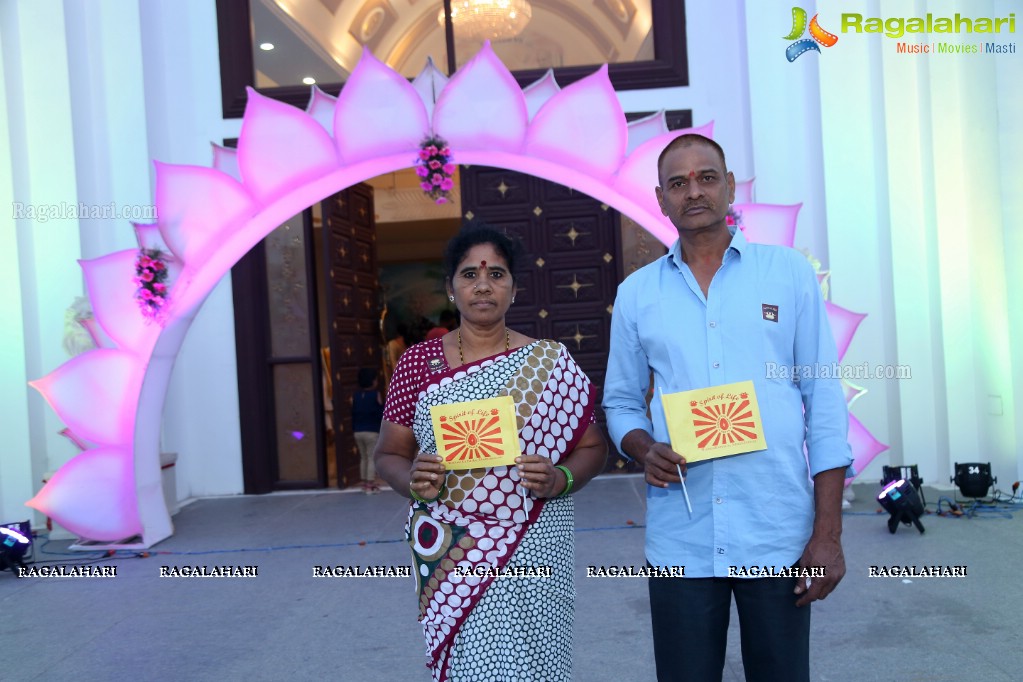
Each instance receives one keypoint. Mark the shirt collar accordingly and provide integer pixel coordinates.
(738, 244)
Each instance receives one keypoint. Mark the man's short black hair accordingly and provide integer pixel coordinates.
(688, 140)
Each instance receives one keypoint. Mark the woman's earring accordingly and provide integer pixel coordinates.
(451, 298)
(513, 299)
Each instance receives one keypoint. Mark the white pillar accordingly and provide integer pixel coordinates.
(42, 168)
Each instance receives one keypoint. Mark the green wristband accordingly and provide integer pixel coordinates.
(569, 480)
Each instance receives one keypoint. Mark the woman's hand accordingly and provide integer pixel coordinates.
(426, 477)
(539, 476)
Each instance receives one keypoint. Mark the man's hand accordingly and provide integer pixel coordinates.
(660, 462)
(825, 552)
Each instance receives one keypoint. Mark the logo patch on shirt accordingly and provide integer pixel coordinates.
(435, 364)
(770, 312)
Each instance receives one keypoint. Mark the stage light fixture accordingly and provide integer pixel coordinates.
(15, 541)
(908, 473)
(899, 498)
(973, 479)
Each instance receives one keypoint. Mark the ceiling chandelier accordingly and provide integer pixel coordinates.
(480, 20)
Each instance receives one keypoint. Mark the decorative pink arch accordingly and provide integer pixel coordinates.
(112, 398)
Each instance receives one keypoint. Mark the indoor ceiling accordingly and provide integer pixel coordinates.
(323, 39)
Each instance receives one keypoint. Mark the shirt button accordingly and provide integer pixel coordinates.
(713, 324)
(721, 550)
(718, 500)
(716, 365)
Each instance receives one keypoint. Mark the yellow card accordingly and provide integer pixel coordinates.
(476, 433)
(714, 422)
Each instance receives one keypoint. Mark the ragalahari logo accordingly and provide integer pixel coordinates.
(818, 35)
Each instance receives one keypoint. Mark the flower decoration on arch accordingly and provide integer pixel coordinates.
(151, 282)
(435, 169)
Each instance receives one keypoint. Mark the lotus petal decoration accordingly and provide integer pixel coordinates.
(637, 178)
(581, 127)
(225, 160)
(271, 132)
(769, 223)
(744, 191)
(149, 238)
(94, 394)
(538, 92)
(196, 207)
(646, 128)
(93, 496)
(429, 84)
(851, 391)
(482, 107)
(378, 113)
(113, 299)
(99, 337)
(321, 108)
(863, 444)
(843, 326)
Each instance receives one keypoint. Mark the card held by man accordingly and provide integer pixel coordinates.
(716, 421)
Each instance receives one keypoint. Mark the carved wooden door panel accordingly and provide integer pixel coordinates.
(353, 311)
(567, 282)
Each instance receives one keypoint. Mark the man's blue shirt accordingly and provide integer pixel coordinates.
(762, 316)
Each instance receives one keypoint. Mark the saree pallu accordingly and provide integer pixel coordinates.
(478, 626)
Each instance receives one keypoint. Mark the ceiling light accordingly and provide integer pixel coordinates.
(488, 19)
(266, 47)
(309, 80)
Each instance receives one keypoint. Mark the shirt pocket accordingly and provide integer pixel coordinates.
(774, 312)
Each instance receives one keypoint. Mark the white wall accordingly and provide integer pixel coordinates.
(183, 108)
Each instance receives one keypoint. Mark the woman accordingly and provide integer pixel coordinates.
(463, 522)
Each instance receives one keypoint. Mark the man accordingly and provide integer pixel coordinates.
(717, 310)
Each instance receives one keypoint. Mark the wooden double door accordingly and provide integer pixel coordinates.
(566, 288)
(571, 270)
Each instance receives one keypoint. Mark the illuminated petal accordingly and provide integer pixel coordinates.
(482, 107)
(863, 444)
(769, 223)
(851, 391)
(225, 160)
(744, 191)
(148, 236)
(112, 295)
(196, 206)
(267, 158)
(429, 84)
(93, 496)
(637, 179)
(581, 127)
(378, 113)
(646, 128)
(321, 108)
(95, 395)
(539, 92)
(99, 337)
(843, 326)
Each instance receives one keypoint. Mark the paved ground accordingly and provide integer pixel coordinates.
(287, 625)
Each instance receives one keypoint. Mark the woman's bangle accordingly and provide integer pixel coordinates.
(569, 479)
(419, 498)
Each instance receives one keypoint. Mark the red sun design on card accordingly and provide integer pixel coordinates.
(474, 439)
(723, 424)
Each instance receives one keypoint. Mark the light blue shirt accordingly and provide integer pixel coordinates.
(754, 509)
